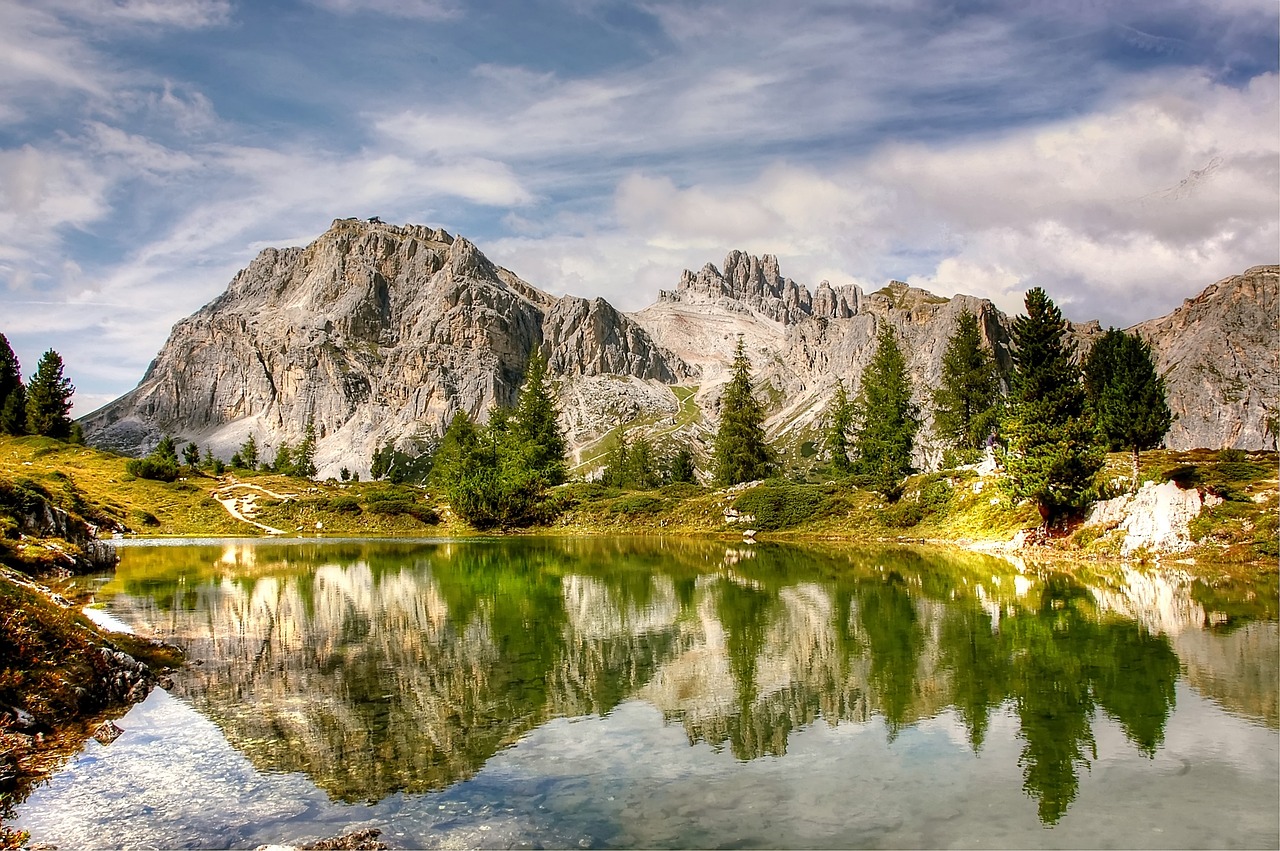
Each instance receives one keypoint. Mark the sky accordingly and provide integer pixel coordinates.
(1123, 156)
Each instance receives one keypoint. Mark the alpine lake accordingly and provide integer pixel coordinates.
(678, 693)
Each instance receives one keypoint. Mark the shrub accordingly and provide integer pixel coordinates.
(637, 503)
(344, 504)
(782, 506)
(155, 467)
(398, 506)
(682, 490)
(1231, 456)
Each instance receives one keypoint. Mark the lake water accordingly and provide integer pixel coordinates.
(674, 693)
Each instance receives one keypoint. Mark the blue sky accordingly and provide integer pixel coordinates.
(1121, 155)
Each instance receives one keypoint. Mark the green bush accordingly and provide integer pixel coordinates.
(1266, 535)
(930, 495)
(411, 508)
(637, 503)
(156, 468)
(345, 504)
(783, 505)
(1231, 456)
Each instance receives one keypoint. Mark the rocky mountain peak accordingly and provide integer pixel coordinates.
(374, 332)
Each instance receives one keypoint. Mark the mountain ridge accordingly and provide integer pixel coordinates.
(380, 332)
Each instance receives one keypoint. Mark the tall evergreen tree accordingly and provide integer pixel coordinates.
(13, 398)
(536, 424)
(680, 468)
(741, 453)
(967, 401)
(1126, 394)
(13, 413)
(1053, 456)
(885, 418)
(49, 398)
(838, 425)
(248, 454)
(304, 456)
(191, 455)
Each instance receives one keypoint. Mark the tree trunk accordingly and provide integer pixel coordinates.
(1135, 469)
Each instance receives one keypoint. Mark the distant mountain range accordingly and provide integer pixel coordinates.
(379, 333)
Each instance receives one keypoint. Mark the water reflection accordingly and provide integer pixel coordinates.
(380, 667)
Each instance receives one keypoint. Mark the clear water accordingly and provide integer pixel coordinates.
(667, 693)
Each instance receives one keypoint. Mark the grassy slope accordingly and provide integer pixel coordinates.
(949, 506)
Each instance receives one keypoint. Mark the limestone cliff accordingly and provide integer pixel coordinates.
(374, 332)
(1220, 355)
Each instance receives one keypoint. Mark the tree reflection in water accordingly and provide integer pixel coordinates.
(379, 667)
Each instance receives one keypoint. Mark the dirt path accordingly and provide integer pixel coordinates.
(244, 507)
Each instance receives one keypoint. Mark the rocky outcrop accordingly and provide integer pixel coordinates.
(1220, 356)
(1156, 519)
(373, 332)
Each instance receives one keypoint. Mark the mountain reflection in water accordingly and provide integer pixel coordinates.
(379, 667)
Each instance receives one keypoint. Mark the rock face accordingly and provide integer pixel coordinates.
(1220, 355)
(375, 333)
(378, 332)
(1157, 518)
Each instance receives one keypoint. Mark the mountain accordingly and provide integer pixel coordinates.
(379, 333)
(373, 332)
(1220, 355)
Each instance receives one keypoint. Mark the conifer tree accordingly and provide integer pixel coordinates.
(536, 425)
(1126, 394)
(1053, 456)
(967, 401)
(741, 453)
(885, 418)
(303, 462)
(248, 454)
(841, 420)
(191, 455)
(681, 468)
(13, 398)
(49, 398)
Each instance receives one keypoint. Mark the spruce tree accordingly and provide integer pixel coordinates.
(536, 425)
(741, 453)
(681, 467)
(1053, 456)
(1126, 394)
(838, 425)
(191, 455)
(304, 456)
(13, 399)
(967, 400)
(248, 454)
(49, 399)
(885, 418)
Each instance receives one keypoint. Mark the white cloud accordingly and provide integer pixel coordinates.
(428, 10)
(171, 14)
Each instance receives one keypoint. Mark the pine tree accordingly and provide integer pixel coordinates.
(885, 418)
(1126, 394)
(13, 414)
(304, 456)
(13, 398)
(191, 455)
(681, 468)
(1052, 457)
(616, 460)
(536, 426)
(248, 454)
(967, 401)
(49, 399)
(838, 425)
(741, 453)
